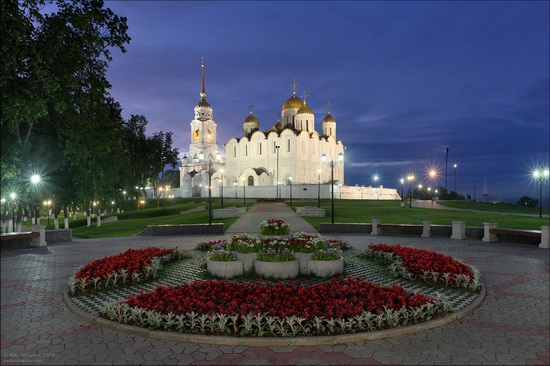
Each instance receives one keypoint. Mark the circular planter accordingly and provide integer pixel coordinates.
(224, 269)
(289, 269)
(326, 268)
(248, 260)
(304, 258)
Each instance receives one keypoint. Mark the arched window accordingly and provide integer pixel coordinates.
(250, 180)
(210, 135)
(196, 134)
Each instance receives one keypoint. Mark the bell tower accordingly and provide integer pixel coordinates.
(203, 134)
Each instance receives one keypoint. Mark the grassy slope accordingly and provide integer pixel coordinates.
(390, 212)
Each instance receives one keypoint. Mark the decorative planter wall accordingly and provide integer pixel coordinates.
(326, 268)
(281, 270)
(225, 269)
(304, 259)
(248, 260)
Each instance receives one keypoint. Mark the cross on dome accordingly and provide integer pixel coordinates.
(304, 96)
(328, 107)
(294, 85)
(250, 107)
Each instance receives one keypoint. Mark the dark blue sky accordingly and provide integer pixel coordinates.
(405, 79)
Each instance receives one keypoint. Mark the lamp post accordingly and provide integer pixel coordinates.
(446, 161)
(244, 192)
(410, 179)
(332, 163)
(277, 175)
(35, 180)
(402, 184)
(541, 175)
(375, 179)
(455, 166)
(319, 188)
(222, 171)
(48, 204)
(201, 157)
(235, 185)
(290, 184)
(13, 196)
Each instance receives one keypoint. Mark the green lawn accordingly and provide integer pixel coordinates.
(346, 211)
(390, 212)
(495, 207)
(132, 222)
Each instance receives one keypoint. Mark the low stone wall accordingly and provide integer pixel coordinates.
(345, 228)
(59, 236)
(308, 211)
(184, 229)
(227, 212)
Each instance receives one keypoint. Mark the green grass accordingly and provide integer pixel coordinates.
(495, 207)
(390, 212)
(132, 222)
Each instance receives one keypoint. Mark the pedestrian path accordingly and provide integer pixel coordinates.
(261, 211)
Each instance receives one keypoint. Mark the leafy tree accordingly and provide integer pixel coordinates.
(526, 201)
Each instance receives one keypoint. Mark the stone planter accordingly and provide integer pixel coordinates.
(326, 268)
(248, 260)
(283, 270)
(304, 259)
(224, 269)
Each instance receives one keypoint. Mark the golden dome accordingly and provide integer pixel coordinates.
(328, 118)
(304, 109)
(292, 102)
(251, 118)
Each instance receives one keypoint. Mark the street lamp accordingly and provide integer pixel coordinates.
(222, 171)
(446, 160)
(410, 179)
(201, 157)
(375, 179)
(319, 188)
(48, 204)
(290, 184)
(541, 175)
(332, 163)
(277, 175)
(402, 184)
(244, 192)
(235, 185)
(13, 196)
(455, 166)
(35, 180)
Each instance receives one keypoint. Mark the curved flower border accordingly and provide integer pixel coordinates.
(337, 307)
(133, 265)
(427, 265)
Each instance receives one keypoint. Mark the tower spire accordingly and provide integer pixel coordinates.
(203, 92)
(328, 107)
(250, 107)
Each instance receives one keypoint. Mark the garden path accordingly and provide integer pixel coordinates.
(260, 211)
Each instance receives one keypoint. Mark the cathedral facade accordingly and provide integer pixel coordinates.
(265, 161)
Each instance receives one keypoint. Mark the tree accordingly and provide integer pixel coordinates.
(526, 201)
(159, 154)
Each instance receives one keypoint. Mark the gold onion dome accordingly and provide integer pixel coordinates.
(251, 118)
(328, 118)
(292, 102)
(304, 109)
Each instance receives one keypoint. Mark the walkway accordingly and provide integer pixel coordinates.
(261, 211)
(510, 327)
(435, 205)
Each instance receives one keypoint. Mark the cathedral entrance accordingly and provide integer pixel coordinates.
(250, 180)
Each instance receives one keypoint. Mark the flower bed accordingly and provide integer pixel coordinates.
(428, 265)
(134, 265)
(284, 309)
(274, 227)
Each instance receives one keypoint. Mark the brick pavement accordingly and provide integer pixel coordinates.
(511, 327)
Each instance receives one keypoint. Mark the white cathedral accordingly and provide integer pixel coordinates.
(268, 163)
